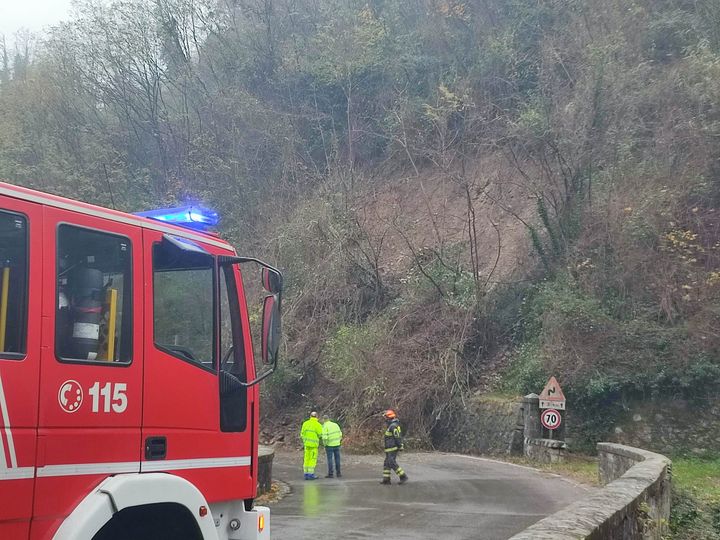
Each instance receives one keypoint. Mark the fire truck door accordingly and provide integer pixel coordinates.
(20, 265)
(181, 414)
(91, 377)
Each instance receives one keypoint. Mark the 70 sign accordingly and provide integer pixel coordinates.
(551, 419)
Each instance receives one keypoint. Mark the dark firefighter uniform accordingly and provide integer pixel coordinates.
(393, 445)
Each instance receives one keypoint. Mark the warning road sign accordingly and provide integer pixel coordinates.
(552, 396)
(551, 419)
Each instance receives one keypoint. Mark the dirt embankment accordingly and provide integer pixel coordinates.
(436, 243)
(489, 205)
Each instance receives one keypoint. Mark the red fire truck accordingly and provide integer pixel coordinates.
(128, 389)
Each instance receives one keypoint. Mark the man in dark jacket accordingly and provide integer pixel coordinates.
(393, 445)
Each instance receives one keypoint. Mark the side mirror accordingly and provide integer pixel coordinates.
(270, 328)
(272, 281)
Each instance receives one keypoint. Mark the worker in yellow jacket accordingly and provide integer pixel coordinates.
(332, 438)
(311, 434)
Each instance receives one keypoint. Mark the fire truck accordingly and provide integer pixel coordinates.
(129, 397)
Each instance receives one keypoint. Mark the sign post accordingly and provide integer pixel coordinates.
(543, 427)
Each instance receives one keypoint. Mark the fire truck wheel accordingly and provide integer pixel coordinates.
(162, 521)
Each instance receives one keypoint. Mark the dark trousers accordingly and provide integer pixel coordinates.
(333, 453)
(391, 464)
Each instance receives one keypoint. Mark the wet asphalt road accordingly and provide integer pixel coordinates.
(448, 497)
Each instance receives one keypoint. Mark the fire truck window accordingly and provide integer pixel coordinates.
(183, 303)
(226, 323)
(93, 322)
(13, 285)
(233, 397)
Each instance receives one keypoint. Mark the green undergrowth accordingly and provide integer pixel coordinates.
(695, 511)
(604, 359)
(356, 341)
(700, 476)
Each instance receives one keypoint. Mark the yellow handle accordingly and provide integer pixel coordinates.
(112, 295)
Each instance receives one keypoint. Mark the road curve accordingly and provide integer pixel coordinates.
(448, 497)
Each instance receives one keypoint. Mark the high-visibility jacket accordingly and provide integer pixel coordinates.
(393, 436)
(331, 434)
(311, 432)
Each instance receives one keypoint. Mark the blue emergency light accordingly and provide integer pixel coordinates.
(192, 217)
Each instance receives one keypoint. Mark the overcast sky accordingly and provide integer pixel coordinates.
(31, 14)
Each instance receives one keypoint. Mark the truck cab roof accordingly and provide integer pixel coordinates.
(39, 197)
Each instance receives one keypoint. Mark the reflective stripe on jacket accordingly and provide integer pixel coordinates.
(311, 432)
(393, 437)
(331, 434)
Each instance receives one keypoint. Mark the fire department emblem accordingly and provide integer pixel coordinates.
(70, 396)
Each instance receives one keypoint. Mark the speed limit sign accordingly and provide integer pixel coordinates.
(550, 418)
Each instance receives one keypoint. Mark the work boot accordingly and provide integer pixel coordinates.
(403, 478)
(306, 476)
(312, 477)
(330, 475)
(385, 481)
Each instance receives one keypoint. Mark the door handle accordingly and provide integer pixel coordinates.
(155, 448)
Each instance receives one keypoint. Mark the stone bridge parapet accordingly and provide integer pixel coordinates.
(634, 504)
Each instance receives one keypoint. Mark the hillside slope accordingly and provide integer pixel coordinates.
(465, 195)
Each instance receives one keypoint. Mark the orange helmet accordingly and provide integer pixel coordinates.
(390, 414)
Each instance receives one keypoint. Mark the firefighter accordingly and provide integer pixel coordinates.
(393, 445)
(311, 434)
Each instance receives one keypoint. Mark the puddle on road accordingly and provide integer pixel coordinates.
(319, 500)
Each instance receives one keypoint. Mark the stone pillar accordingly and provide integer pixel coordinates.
(516, 446)
(532, 428)
(535, 444)
(265, 460)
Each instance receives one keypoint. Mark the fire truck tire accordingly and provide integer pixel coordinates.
(162, 521)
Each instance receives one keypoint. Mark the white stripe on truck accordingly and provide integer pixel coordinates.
(78, 469)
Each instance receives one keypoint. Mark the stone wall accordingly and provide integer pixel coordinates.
(486, 426)
(500, 425)
(671, 426)
(545, 450)
(635, 503)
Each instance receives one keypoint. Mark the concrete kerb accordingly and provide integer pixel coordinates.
(635, 504)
